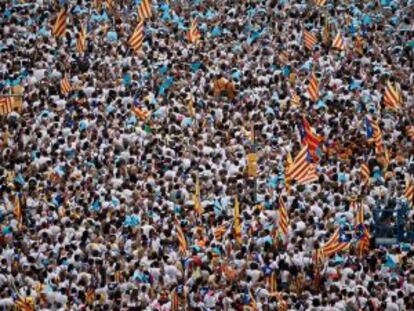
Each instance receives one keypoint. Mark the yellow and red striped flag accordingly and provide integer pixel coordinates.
(97, 4)
(90, 296)
(81, 41)
(219, 232)
(409, 192)
(181, 238)
(25, 304)
(196, 198)
(410, 132)
(284, 57)
(380, 149)
(65, 86)
(137, 39)
(6, 105)
(326, 34)
(318, 256)
(140, 113)
(311, 139)
(253, 303)
(59, 28)
(313, 88)
(310, 177)
(392, 97)
(359, 45)
(236, 221)
(334, 244)
(359, 215)
(283, 217)
(363, 235)
(110, 5)
(271, 281)
(294, 98)
(365, 172)
(299, 169)
(190, 108)
(193, 34)
(175, 301)
(320, 2)
(17, 211)
(338, 43)
(309, 39)
(288, 167)
(144, 10)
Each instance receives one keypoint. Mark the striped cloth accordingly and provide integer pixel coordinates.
(338, 43)
(196, 198)
(65, 86)
(81, 41)
(193, 34)
(137, 39)
(392, 97)
(271, 281)
(301, 169)
(326, 34)
(59, 28)
(236, 221)
(409, 192)
(313, 88)
(320, 2)
(181, 239)
(309, 39)
(310, 138)
(6, 105)
(410, 132)
(283, 217)
(380, 148)
(365, 173)
(334, 244)
(144, 10)
(359, 45)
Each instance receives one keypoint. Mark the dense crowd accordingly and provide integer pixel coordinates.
(106, 194)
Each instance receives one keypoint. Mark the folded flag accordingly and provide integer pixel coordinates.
(81, 41)
(294, 99)
(17, 211)
(219, 232)
(59, 28)
(409, 192)
(359, 45)
(326, 34)
(310, 138)
(380, 148)
(236, 221)
(362, 233)
(196, 198)
(193, 34)
(110, 5)
(181, 238)
(410, 132)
